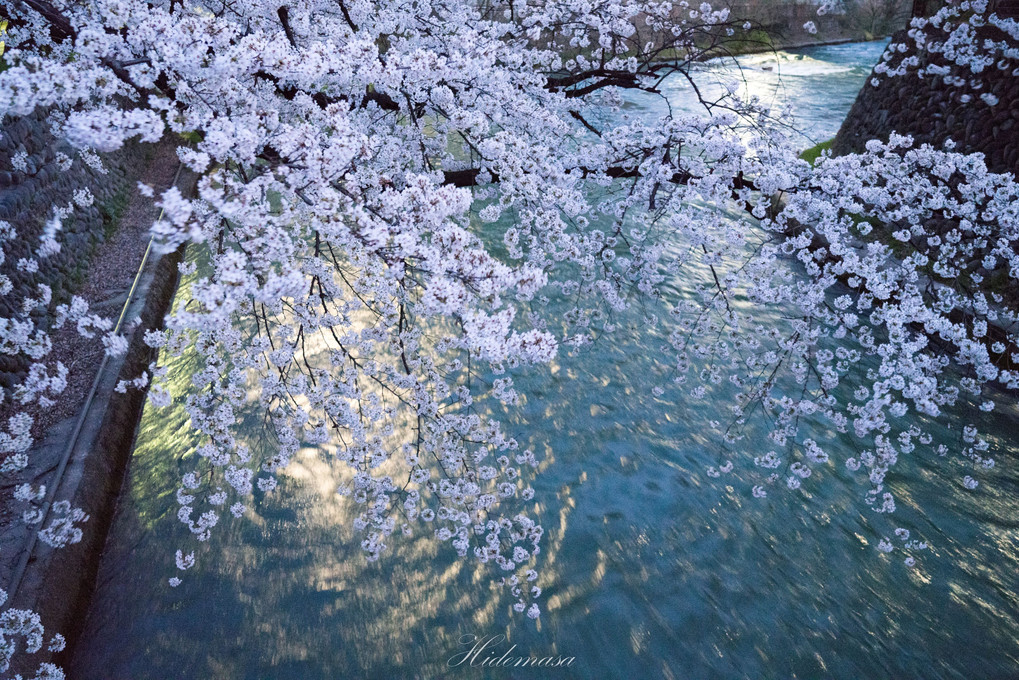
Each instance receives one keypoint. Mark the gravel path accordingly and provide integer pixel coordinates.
(111, 272)
(109, 276)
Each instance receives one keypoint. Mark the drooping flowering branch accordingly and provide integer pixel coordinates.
(390, 197)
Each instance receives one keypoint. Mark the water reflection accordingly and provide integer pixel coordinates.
(650, 568)
(820, 83)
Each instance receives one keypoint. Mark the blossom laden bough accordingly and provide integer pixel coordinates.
(390, 197)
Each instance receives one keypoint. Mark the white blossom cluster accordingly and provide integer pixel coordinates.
(392, 195)
(23, 624)
(963, 37)
(26, 334)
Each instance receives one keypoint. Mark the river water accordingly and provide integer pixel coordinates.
(650, 568)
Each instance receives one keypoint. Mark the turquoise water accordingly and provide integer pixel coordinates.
(650, 568)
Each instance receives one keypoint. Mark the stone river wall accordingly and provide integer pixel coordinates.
(933, 112)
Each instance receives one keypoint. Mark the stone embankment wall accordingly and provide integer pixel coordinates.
(932, 112)
(27, 197)
(788, 25)
(34, 177)
(784, 22)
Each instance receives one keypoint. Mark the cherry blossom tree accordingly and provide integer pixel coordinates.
(391, 194)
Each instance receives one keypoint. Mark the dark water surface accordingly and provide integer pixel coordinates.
(650, 568)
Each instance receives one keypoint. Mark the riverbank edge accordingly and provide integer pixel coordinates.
(780, 46)
(59, 583)
(65, 594)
